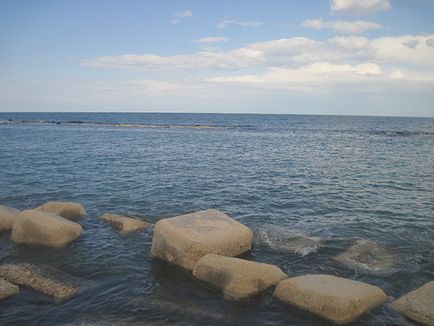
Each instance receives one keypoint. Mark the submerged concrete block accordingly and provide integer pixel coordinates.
(369, 257)
(7, 289)
(125, 224)
(37, 279)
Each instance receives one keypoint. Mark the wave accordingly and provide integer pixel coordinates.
(401, 133)
(284, 240)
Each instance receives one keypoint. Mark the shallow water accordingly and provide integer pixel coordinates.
(337, 179)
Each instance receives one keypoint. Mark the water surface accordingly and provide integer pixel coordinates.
(336, 179)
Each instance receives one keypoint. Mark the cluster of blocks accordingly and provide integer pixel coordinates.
(53, 224)
(205, 243)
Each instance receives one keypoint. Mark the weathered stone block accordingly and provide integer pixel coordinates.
(369, 257)
(334, 298)
(67, 210)
(418, 304)
(238, 278)
(35, 227)
(35, 278)
(8, 216)
(125, 224)
(7, 289)
(184, 239)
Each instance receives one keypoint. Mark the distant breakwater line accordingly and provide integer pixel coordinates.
(102, 124)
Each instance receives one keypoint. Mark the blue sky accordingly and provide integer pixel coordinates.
(362, 57)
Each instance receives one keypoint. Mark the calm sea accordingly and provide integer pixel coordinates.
(333, 180)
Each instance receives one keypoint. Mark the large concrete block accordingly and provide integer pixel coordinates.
(8, 216)
(35, 227)
(69, 210)
(184, 239)
(238, 278)
(418, 304)
(334, 298)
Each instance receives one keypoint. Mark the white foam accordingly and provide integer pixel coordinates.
(281, 239)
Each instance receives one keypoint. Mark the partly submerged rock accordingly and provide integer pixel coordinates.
(38, 279)
(334, 298)
(418, 304)
(238, 278)
(184, 239)
(125, 224)
(188, 309)
(8, 216)
(7, 289)
(369, 257)
(285, 240)
(35, 227)
(69, 210)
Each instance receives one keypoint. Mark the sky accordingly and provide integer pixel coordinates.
(352, 57)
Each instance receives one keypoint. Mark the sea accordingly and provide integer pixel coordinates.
(310, 187)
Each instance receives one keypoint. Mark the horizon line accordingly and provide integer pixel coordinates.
(223, 113)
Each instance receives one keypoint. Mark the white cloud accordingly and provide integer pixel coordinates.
(178, 16)
(341, 26)
(322, 75)
(397, 50)
(210, 40)
(299, 63)
(183, 14)
(227, 23)
(286, 52)
(430, 42)
(357, 7)
(411, 43)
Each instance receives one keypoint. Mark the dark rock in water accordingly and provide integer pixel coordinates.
(44, 280)
(7, 289)
(369, 257)
(418, 304)
(285, 240)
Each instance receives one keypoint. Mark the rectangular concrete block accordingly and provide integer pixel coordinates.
(184, 239)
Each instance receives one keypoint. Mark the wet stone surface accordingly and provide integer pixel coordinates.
(44, 280)
(369, 257)
(7, 289)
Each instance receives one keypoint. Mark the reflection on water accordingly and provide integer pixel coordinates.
(322, 183)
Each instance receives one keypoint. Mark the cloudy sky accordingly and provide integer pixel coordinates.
(361, 57)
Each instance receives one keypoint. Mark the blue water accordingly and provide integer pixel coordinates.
(336, 179)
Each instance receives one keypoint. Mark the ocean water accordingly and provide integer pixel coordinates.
(309, 186)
